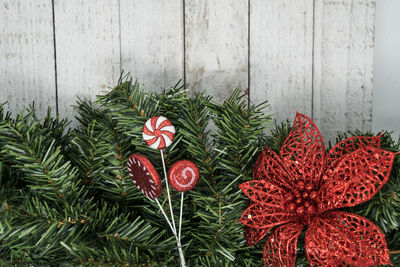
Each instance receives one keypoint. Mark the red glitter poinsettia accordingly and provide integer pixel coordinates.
(304, 186)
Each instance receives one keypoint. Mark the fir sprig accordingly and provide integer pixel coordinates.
(34, 150)
(239, 130)
(66, 197)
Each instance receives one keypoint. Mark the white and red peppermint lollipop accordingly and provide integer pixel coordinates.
(144, 176)
(158, 132)
(183, 175)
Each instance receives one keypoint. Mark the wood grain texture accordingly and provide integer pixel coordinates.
(281, 55)
(343, 65)
(315, 57)
(87, 45)
(152, 41)
(26, 55)
(216, 46)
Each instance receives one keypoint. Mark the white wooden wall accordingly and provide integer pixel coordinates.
(313, 56)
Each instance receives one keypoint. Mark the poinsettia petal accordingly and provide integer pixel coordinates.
(254, 235)
(264, 192)
(262, 216)
(269, 167)
(341, 238)
(261, 191)
(281, 246)
(356, 178)
(303, 152)
(350, 145)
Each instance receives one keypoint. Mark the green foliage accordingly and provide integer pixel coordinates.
(66, 197)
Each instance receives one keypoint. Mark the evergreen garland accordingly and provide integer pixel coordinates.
(66, 197)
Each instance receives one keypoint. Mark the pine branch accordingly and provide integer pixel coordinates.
(66, 196)
(32, 150)
(130, 106)
(237, 142)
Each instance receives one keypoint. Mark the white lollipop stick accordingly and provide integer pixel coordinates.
(178, 241)
(181, 256)
(169, 195)
(165, 216)
(180, 217)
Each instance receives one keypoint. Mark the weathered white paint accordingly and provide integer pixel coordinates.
(281, 36)
(343, 65)
(216, 43)
(88, 54)
(27, 55)
(306, 55)
(152, 41)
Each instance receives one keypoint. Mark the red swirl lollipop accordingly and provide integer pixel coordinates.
(158, 132)
(144, 176)
(183, 175)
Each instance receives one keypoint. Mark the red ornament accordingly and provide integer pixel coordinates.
(144, 176)
(158, 132)
(352, 172)
(183, 175)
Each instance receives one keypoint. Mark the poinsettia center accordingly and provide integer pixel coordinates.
(302, 201)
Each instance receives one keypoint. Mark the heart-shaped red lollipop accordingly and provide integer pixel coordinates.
(183, 175)
(144, 176)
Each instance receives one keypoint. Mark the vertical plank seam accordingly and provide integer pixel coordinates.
(348, 59)
(373, 65)
(184, 42)
(120, 39)
(312, 61)
(248, 54)
(55, 54)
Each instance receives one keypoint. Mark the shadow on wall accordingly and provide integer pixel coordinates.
(386, 95)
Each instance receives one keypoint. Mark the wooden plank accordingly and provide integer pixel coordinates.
(216, 46)
(343, 65)
(87, 46)
(152, 41)
(27, 55)
(386, 110)
(281, 55)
